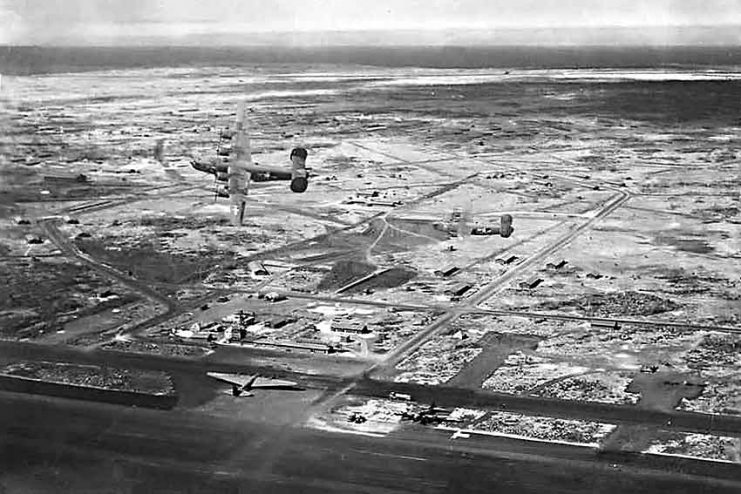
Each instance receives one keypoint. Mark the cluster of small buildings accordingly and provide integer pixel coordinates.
(534, 281)
(371, 198)
(301, 332)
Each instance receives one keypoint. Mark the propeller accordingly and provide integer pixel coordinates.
(464, 218)
(159, 152)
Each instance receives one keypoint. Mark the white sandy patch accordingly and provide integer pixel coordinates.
(704, 446)
(544, 428)
(336, 310)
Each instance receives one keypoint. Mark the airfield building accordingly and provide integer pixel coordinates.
(460, 289)
(506, 259)
(257, 268)
(604, 324)
(531, 283)
(557, 265)
(350, 327)
(448, 271)
(288, 345)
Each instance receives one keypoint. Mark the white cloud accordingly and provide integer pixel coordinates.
(12, 25)
(86, 21)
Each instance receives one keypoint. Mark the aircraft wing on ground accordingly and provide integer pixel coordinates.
(267, 383)
(253, 381)
(239, 379)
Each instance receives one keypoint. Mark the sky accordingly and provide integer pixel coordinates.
(66, 22)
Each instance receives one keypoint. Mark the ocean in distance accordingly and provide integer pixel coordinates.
(27, 60)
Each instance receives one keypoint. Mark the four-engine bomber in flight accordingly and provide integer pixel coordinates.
(234, 165)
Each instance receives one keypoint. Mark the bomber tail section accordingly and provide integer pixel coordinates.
(240, 391)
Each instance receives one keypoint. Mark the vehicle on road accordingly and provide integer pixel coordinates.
(400, 396)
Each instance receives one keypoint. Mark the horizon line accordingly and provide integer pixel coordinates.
(375, 46)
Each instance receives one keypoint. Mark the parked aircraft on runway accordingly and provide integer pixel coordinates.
(242, 385)
(233, 165)
(429, 415)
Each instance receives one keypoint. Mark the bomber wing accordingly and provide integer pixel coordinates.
(238, 379)
(238, 175)
(252, 381)
(267, 383)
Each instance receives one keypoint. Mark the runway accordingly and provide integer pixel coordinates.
(194, 387)
(57, 445)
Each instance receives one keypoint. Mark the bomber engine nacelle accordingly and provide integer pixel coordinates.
(299, 175)
(505, 226)
(299, 184)
(222, 176)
